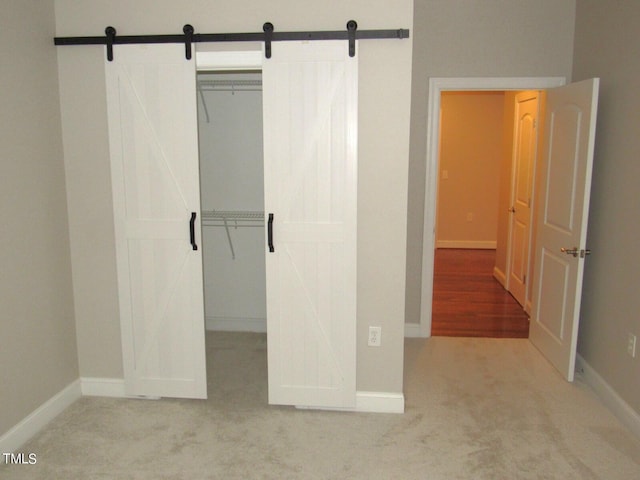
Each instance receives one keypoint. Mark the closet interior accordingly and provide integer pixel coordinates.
(232, 200)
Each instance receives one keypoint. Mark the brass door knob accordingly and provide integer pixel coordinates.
(575, 252)
(570, 251)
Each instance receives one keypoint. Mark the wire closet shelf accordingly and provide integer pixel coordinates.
(233, 219)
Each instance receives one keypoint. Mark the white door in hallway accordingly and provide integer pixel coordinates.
(310, 140)
(561, 250)
(151, 96)
(524, 155)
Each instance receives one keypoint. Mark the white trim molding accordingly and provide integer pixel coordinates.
(229, 60)
(621, 409)
(102, 387)
(468, 244)
(412, 330)
(368, 402)
(379, 402)
(36, 420)
(500, 276)
(437, 85)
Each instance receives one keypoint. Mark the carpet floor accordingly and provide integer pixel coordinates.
(476, 408)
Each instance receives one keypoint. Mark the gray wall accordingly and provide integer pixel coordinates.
(38, 355)
(606, 46)
(475, 38)
(384, 105)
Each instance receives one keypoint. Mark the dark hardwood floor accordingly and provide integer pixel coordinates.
(469, 302)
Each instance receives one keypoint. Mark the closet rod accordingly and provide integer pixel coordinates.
(229, 83)
(351, 34)
(230, 89)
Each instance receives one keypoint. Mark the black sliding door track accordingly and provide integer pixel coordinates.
(268, 35)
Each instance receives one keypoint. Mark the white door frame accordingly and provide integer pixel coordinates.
(437, 85)
(229, 60)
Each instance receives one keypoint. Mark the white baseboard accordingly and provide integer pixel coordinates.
(621, 409)
(102, 387)
(500, 276)
(471, 244)
(412, 330)
(528, 307)
(379, 402)
(36, 420)
(235, 324)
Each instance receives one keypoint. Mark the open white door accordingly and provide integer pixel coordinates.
(310, 154)
(565, 181)
(524, 155)
(151, 97)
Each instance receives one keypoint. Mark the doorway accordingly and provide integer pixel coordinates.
(232, 199)
(474, 180)
(436, 87)
(232, 219)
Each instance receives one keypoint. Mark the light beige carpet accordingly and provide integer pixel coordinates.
(475, 409)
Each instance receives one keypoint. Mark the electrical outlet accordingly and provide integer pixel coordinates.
(374, 336)
(631, 345)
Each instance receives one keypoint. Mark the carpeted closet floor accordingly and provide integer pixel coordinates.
(476, 408)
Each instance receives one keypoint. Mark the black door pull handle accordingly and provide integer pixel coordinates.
(192, 231)
(270, 233)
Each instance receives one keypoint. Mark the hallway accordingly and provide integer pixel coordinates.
(469, 302)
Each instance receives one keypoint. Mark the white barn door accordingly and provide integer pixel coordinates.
(151, 97)
(310, 141)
